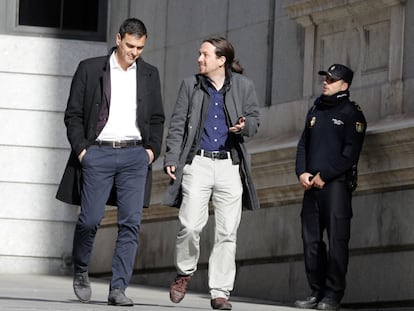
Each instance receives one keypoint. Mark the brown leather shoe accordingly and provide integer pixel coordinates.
(220, 304)
(178, 287)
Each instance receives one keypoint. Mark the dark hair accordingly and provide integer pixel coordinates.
(225, 48)
(133, 26)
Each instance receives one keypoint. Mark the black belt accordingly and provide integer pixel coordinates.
(220, 155)
(118, 143)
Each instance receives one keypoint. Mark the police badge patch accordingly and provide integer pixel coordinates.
(359, 126)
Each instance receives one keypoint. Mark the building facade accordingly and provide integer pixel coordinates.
(282, 45)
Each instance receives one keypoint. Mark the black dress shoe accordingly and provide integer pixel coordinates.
(82, 286)
(328, 304)
(309, 302)
(117, 297)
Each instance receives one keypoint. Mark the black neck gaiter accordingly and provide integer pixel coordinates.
(332, 100)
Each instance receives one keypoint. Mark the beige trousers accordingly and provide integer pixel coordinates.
(218, 180)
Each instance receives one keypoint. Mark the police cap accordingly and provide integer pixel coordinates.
(339, 72)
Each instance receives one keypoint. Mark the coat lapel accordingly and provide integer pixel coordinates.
(106, 85)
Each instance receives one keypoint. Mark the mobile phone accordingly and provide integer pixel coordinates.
(240, 119)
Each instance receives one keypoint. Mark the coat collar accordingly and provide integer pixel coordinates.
(203, 82)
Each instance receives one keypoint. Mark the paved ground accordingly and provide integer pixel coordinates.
(42, 292)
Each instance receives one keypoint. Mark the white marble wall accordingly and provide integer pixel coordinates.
(35, 74)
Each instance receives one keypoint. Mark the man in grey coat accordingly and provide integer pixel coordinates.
(206, 160)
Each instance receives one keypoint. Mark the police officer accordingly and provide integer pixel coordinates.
(326, 158)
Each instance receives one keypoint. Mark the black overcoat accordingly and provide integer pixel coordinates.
(90, 89)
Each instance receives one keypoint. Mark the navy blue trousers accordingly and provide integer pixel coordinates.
(327, 209)
(103, 167)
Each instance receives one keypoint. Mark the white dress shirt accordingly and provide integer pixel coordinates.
(122, 123)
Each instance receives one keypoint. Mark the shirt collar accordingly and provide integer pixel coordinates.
(113, 63)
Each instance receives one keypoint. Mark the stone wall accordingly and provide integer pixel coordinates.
(282, 45)
(35, 74)
(307, 36)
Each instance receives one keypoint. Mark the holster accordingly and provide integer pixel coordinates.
(352, 177)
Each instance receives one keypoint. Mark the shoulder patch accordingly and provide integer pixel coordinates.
(359, 127)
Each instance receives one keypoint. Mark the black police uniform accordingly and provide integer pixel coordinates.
(330, 144)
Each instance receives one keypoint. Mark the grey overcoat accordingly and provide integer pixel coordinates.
(240, 100)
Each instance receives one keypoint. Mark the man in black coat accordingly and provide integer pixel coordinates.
(326, 158)
(114, 120)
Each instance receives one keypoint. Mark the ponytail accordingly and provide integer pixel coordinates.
(236, 67)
